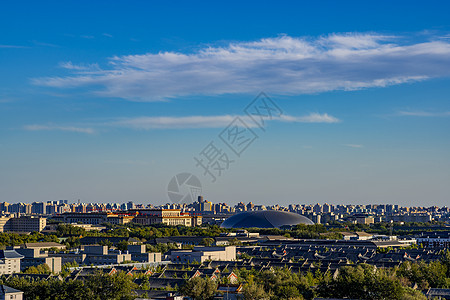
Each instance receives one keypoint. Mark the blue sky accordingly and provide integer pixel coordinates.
(108, 101)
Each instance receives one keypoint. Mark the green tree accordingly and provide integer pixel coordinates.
(65, 230)
(39, 269)
(110, 287)
(253, 291)
(199, 288)
(207, 241)
(445, 259)
(234, 242)
(363, 282)
(106, 242)
(433, 274)
(122, 245)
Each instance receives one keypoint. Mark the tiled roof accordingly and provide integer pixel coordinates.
(10, 254)
(5, 290)
(42, 245)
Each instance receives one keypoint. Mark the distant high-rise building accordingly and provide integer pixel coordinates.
(206, 206)
(317, 208)
(327, 208)
(80, 208)
(51, 209)
(130, 205)
(38, 208)
(241, 207)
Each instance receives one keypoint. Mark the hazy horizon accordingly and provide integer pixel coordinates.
(106, 102)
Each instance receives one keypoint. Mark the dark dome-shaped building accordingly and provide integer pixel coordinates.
(265, 219)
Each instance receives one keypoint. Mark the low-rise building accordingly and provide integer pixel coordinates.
(8, 293)
(364, 219)
(88, 227)
(71, 257)
(171, 217)
(94, 255)
(436, 293)
(22, 224)
(9, 261)
(139, 254)
(43, 246)
(410, 218)
(100, 255)
(201, 254)
(359, 235)
(4, 223)
(94, 218)
(434, 239)
(33, 257)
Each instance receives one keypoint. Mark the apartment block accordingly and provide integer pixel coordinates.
(9, 262)
(22, 224)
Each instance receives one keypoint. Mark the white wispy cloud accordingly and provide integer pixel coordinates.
(282, 65)
(184, 122)
(13, 46)
(220, 121)
(354, 145)
(424, 114)
(43, 44)
(80, 67)
(311, 118)
(37, 127)
(175, 122)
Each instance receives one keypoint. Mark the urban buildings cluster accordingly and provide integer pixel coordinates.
(204, 256)
(203, 211)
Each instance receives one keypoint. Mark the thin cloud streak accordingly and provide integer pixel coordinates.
(13, 46)
(59, 128)
(283, 65)
(424, 114)
(221, 121)
(186, 122)
(354, 145)
(79, 68)
(311, 118)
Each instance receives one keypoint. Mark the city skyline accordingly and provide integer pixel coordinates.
(117, 99)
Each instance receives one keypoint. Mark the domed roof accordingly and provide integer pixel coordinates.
(265, 219)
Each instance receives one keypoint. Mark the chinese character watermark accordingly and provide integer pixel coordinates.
(184, 188)
(237, 136)
(263, 109)
(214, 160)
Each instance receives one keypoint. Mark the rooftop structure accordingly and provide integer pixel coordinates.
(7, 292)
(265, 219)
